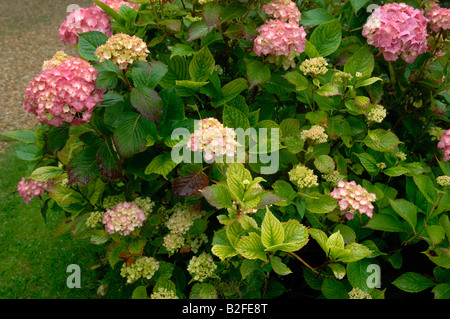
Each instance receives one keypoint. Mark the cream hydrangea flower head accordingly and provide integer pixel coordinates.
(56, 60)
(316, 134)
(123, 50)
(201, 267)
(143, 267)
(377, 113)
(443, 180)
(314, 67)
(163, 293)
(303, 177)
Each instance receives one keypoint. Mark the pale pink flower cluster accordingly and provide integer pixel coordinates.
(84, 20)
(65, 93)
(28, 189)
(123, 50)
(439, 18)
(285, 10)
(278, 37)
(444, 143)
(124, 218)
(213, 139)
(353, 197)
(397, 29)
(116, 4)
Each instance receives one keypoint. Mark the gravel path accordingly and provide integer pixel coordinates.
(28, 37)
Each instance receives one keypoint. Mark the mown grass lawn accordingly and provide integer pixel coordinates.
(33, 264)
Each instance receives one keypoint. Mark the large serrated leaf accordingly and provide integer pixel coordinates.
(251, 247)
(272, 232)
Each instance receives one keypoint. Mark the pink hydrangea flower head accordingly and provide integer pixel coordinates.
(397, 29)
(124, 218)
(285, 10)
(213, 139)
(123, 50)
(116, 4)
(28, 189)
(444, 144)
(277, 37)
(56, 60)
(353, 197)
(65, 93)
(84, 20)
(439, 18)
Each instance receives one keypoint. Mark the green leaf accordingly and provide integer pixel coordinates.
(426, 187)
(161, 164)
(405, 210)
(353, 252)
(329, 89)
(327, 37)
(441, 291)
(334, 289)
(178, 69)
(279, 267)
(230, 91)
(218, 196)
(182, 49)
(381, 140)
(197, 30)
(221, 245)
(367, 82)
(133, 134)
(412, 282)
(249, 266)
(236, 175)
(211, 13)
(320, 204)
(147, 101)
(82, 167)
(358, 275)
(46, 173)
(234, 118)
(232, 11)
(385, 222)
(285, 190)
(234, 232)
(203, 291)
(295, 237)
(89, 42)
(320, 237)
(148, 73)
(290, 127)
(362, 61)
(396, 171)
(339, 270)
(369, 163)
(202, 65)
(272, 232)
(324, 163)
(251, 247)
(257, 73)
(436, 233)
(301, 83)
(358, 4)
(25, 136)
(315, 17)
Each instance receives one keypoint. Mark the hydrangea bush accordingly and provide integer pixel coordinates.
(250, 148)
